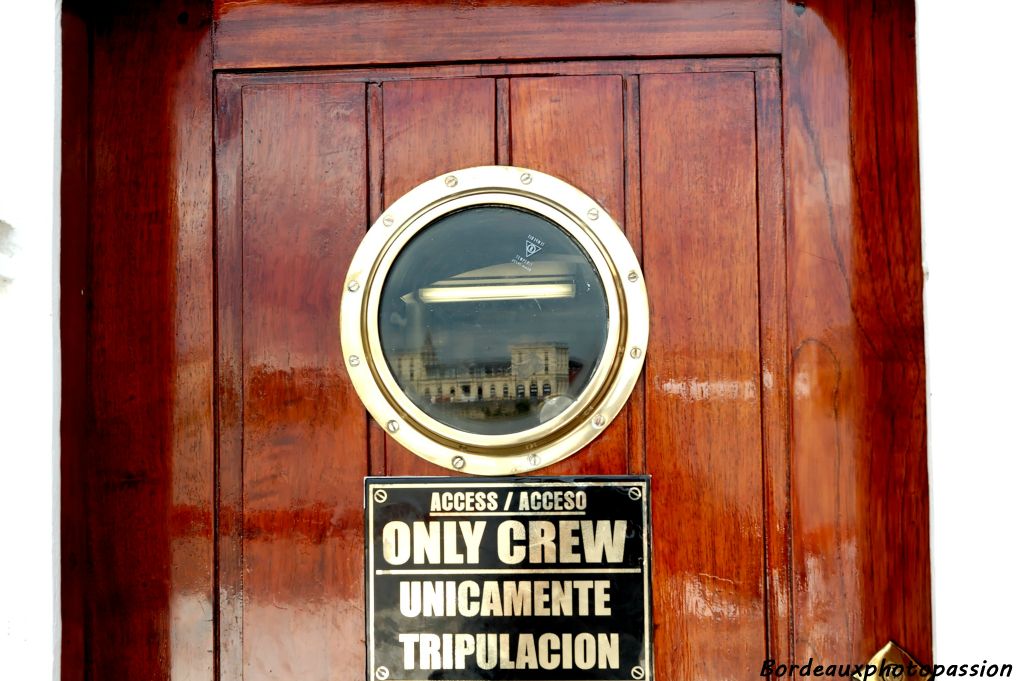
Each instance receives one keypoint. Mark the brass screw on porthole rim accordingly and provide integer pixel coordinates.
(392, 426)
(593, 214)
(353, 360)
(451, 181)
(533, 459)
(388, 221)
(633, 276)
(635, 353)
(526, 178)
(353, 286)
(458, 463)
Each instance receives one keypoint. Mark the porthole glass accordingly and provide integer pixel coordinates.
(493, 320)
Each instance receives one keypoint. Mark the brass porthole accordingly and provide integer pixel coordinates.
(494, 320)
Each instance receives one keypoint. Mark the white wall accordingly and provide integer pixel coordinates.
(972, 151)
(972, 154)
(29, 365)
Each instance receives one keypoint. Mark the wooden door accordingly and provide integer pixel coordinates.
(212, 448)
(684, 154)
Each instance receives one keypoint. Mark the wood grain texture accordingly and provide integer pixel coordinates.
(775, 388)
(703, 431)
(860, 500)
(374, 207)
(304, 442)
(264, 34)
(145, 452)
(229, 388)
(571, 128)
(430, 127)
(633, 227)
(499, 70)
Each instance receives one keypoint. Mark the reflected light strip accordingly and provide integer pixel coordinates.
(465, 294)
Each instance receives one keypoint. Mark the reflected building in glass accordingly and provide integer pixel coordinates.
(531, 372)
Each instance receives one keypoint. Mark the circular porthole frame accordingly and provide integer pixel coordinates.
(621, 361)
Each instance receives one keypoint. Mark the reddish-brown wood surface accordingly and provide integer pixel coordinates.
(138, 254)
(229, 388)
(775, 363)
(304, 442)
(860, 498)
(265, 34)
(703, 429)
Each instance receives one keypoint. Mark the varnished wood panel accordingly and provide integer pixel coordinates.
(432, 126)
(374, 207)
(703, 431)
(633, 227)
(775, 362)
(229, 387)
(137, 300)
(304, 448)
(281, 34)
(860, 499)
(503, 70)
(572, 128)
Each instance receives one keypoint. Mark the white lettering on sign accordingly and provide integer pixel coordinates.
(510, 651)
(434, 542)
(463, 501)
(491, 598)
(548, 500)
(457, 542)
(602, 541)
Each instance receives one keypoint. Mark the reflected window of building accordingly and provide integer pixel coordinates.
(493, 292)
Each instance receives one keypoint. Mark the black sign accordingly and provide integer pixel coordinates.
(508, 578)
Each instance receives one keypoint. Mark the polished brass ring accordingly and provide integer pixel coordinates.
(617, 370)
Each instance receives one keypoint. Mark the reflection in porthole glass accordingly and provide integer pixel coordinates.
(492, 320)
